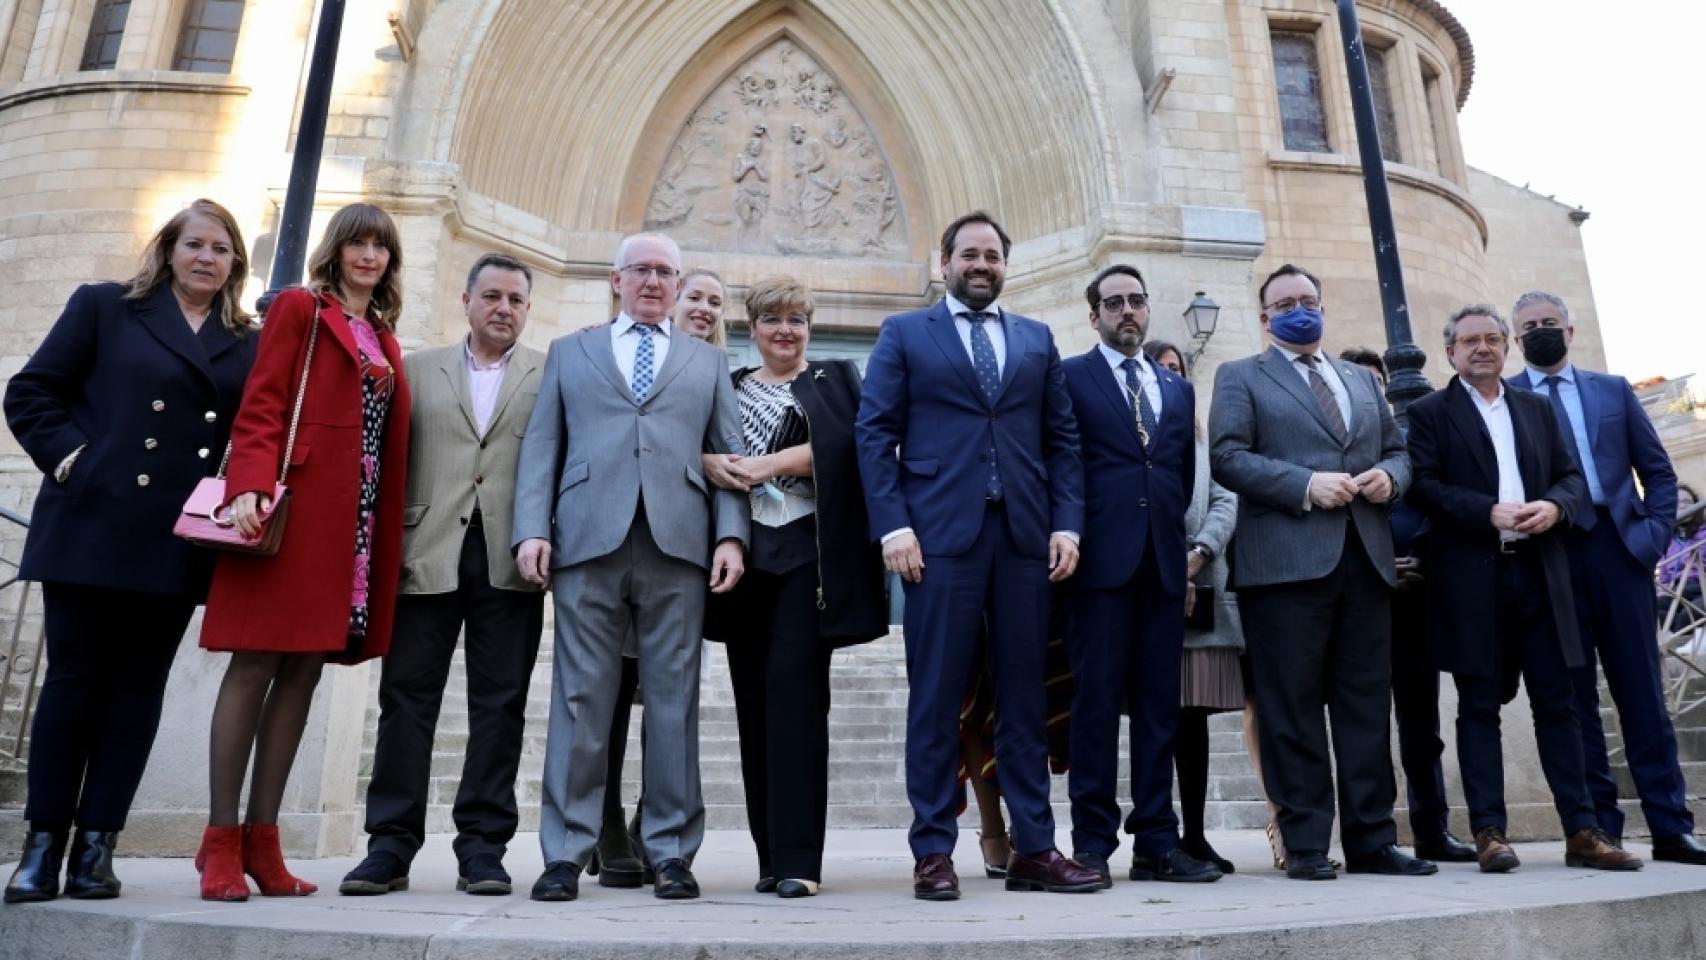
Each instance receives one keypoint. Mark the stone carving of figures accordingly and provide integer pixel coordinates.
(813, 187)
(837, 135)
(874, 198)
(752, 184)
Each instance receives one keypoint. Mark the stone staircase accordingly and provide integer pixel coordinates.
(867, 749)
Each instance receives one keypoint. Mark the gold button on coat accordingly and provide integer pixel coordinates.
(158, 405)
(150, 443)
(142, 480)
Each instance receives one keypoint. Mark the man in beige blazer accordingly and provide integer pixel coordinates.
(472, 401)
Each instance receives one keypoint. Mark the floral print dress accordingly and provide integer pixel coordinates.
(378, 381)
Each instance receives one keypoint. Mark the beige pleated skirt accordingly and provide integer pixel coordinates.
(1211, 677)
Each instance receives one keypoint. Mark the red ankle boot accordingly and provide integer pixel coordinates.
(264, 860)
(220, 862)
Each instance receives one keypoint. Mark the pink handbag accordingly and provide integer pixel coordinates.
(205, 519)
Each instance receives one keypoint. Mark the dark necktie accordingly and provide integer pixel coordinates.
(989, 379)
(1324, 397)
(1140, 408)
(1562, 414)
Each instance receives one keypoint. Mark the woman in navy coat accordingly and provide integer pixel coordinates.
(124, 407)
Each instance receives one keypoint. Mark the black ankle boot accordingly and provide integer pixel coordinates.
(89, 872)
(37, 876)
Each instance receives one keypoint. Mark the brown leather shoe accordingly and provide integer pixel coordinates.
(1593, 849)
(1494, 851)
(1050, 871)
(934, 878)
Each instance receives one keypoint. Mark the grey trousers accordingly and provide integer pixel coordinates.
(662, 600)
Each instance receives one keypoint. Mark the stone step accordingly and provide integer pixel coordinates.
(12, 783)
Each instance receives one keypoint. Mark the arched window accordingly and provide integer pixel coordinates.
(209, 39)
(106, 31)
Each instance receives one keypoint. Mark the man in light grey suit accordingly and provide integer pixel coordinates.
(612, 508)
(1311, 448)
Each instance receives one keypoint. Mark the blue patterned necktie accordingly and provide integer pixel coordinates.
(989, 378)
(1559, 411)
(1140, 407)
(645, 360)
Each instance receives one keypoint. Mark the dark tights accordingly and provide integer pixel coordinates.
(263, 702)
(1190, 758)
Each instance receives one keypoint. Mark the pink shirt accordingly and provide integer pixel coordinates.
(483, 385)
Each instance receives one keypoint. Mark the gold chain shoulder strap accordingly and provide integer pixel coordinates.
(296, 410)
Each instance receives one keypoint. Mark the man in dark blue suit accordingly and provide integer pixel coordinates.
(1137, 428)
(969, 457)
(1613, 549)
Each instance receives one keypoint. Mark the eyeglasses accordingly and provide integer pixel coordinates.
(1291, 303)
(641, 271)
(772, 321)
(1117, 302)
(1494, 340)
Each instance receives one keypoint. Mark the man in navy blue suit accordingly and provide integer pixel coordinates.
(969, 457)
(1613, 549)
(1137, 428)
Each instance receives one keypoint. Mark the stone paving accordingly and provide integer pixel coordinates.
(1544, 910)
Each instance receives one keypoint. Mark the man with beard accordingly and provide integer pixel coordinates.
(969, 456)
(1613, 548)
(1136, 426)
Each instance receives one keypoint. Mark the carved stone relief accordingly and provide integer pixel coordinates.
(777, 160)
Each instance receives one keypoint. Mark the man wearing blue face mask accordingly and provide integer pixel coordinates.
(1613, 548)
(1315, 458)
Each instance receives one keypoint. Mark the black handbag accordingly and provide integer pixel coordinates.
(1201, 616)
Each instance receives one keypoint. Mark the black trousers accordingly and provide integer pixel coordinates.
(502, 641)
(1529, 646)
(1415, 702)
(780, 673)
(109, 653)
(1325, 644)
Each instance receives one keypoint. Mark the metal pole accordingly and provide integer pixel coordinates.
(1404, 360)
(291, 248)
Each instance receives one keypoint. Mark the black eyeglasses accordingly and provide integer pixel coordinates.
(1117, 302)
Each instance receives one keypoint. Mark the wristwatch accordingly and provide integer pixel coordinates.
(1202, 551)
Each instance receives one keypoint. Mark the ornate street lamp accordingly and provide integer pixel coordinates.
(291, 248)
(1200, 318)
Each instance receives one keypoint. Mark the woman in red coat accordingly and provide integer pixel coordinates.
(328, 594)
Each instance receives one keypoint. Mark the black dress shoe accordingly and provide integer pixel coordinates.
(1174, 866)
(37, 877)
(675, 881)
(1309, 865)
(1390, 861)
(1445, 848)
(794, 889)
(89, 871)
(614, 862)
(560, 881)
(1679, 848)
(765, 885)
(379, 872)
(1198, 847)
(484, 875)
(1098, 863)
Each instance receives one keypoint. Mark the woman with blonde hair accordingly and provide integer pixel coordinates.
(328, 593)
(124, 408)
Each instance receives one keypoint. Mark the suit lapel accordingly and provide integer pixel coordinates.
(1354, 392)
(455, 368)
(673, 362)
(1015, 336)
(1527, 451)
(601, 352)
(1588, 390)
(941, 327)
(162, 318)
(1113, 391)
(1278, 367)
(1466, 420)
(514, 372)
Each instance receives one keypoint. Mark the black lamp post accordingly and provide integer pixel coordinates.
(1200, 319)
(291, 244)
(1404, 359)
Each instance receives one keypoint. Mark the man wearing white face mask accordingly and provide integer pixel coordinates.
(1315, 458)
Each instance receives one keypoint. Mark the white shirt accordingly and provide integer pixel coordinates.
(997, 333)
(1496, 414)
(1329, 373)
(1147, 379)
(484, 384)
(624, 340)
